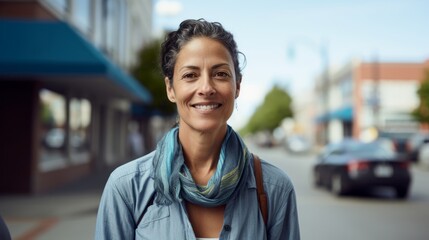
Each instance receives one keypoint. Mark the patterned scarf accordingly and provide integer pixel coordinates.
(174, 181)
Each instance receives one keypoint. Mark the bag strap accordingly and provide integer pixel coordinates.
(262, 197)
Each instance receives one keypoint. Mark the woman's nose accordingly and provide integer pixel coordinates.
(206, 87)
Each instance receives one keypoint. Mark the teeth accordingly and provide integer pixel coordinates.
(206, 107)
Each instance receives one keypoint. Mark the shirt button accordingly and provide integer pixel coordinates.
(227, 228)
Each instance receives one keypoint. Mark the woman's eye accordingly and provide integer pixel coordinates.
(189, 76)
(222, 74)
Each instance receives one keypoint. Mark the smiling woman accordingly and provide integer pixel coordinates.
(203, 86)
(199, 182)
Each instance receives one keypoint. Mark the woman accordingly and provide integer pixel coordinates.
(199, 182)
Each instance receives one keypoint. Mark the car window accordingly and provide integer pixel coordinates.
(368, 150)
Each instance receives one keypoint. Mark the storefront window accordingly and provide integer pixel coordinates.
(80, 119)
(63, 142)
(53, 153)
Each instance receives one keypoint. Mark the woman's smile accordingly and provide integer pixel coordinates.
(206, 107)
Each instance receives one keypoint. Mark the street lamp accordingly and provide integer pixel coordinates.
(322, 51)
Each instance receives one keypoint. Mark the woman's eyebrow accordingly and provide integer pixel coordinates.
(220, 65)
(197, 68)
(189, 67)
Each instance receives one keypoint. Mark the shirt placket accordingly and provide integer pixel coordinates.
(189, 231)
(226, 229)
(227, 220)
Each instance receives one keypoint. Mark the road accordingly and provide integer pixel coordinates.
(377, 215)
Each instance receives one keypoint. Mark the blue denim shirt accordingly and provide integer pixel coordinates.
(128, 192)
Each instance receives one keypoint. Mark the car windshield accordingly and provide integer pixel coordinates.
(370, 150)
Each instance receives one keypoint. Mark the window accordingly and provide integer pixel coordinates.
(110, 20)
(65, 138)
(79, 137)
(81, 14)
(59, 5)
(53, 130)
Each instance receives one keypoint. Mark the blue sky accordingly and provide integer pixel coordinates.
(389, 30)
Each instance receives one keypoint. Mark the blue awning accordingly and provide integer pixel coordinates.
(54, 50)
(343, 114)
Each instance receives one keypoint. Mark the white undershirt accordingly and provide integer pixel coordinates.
(207, 238)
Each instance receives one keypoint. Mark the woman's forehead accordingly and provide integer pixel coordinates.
(203, 49)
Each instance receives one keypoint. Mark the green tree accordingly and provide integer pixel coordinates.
(421, 113)
(148, 73)
(270, 114)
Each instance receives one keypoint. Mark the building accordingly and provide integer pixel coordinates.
(65, 94)
(366, 97)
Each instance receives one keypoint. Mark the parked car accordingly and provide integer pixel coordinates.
(399, 138)
(415, 142)
(264, 139)
(297, 144)
(353, 165)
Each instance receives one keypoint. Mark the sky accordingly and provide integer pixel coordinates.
(283, 40)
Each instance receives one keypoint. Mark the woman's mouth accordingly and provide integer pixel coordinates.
(206, 107)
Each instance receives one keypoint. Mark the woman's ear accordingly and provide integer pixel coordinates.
(170, 91)
(237, 89)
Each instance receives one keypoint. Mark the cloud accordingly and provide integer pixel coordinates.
(168, 8)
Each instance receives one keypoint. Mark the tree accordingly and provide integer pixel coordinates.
(269, 115)
(421, 113)
(148, 73)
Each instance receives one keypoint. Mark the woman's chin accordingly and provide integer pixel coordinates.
(207, 125)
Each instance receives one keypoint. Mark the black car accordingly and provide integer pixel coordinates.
(353, 165)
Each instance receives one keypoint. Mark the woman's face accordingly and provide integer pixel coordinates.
(204, 86)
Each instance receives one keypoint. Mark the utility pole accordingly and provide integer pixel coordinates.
(326, 89)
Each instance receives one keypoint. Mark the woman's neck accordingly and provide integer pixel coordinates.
(201, 151)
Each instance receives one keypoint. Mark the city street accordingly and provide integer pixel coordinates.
(374, 216)
(71, 213)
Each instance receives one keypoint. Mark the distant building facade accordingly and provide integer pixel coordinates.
(366, 96)
(65, 94)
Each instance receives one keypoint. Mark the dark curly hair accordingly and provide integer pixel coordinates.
(190, 29)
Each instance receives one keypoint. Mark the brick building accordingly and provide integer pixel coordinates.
(363, 96)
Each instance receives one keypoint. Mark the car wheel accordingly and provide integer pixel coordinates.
(402, 192)
(337, 185)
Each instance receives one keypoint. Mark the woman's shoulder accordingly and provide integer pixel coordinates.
(131, 182)
(137, 169)
(275, 177)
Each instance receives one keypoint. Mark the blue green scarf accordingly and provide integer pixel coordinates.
(173, 180)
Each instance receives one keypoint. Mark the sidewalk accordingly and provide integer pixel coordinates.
(67, 213)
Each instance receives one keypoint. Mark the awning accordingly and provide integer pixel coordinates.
(343, 114)
(56, 54)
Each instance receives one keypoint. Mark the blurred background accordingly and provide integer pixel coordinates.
(81, 93)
